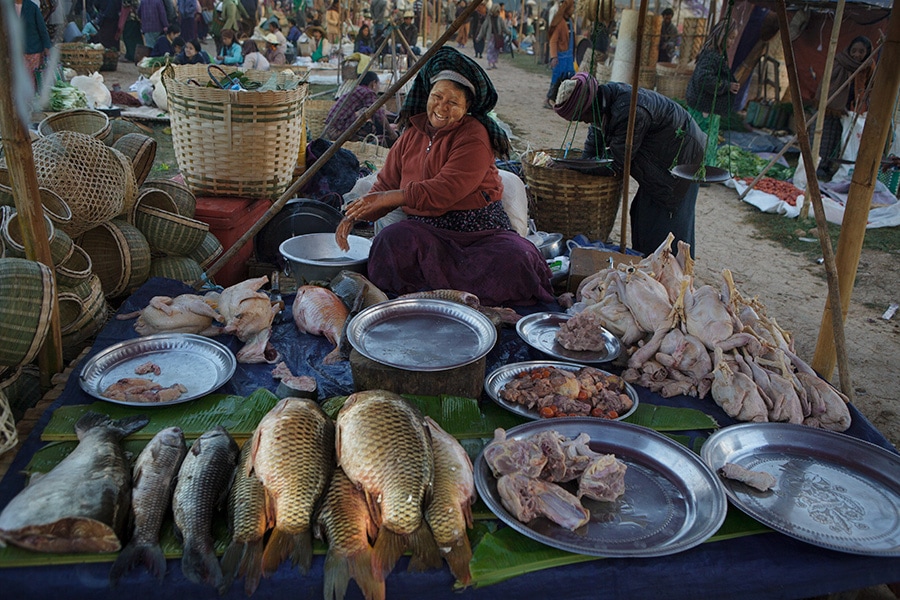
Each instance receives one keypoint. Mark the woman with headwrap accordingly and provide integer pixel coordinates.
(853, 98)
(562, 49)
(441, 173)
(664, 135)
(493, 32)
(713, 88)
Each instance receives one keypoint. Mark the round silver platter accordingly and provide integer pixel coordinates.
(539, 331)
(200, 364)
(498, 379)
(418, 334)
(831, 490)
(672, 500)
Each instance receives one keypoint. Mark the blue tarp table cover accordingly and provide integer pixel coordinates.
(769, 565)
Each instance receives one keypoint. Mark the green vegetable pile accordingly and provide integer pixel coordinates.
(742, 163)
(64, 96)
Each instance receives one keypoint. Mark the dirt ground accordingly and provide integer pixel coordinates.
(792, 287)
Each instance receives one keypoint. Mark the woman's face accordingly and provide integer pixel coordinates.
(447, 104)
(364, 30)
(190, 51)
(858, 51)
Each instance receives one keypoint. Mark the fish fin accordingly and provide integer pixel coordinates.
(128, 425)
(425, 552)
(151, 555)
(389, 546)
(231, 561)
(374, 508)
(199, 564)
(88, 421)
(281, 545)
(458, 557)
(196, 447)
(340, 569)
(251, 566)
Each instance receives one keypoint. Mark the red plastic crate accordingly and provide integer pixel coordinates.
(228, 220)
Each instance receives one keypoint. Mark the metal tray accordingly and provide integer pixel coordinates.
(831, 490)
(420, 334)
(200, 364)
(672, 500)
(689, 172)
(495, 382)
(539, 331)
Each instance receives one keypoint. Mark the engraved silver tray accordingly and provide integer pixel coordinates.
(497, 380)
(200, 364)
(539, 330)
(419, 334)
(831, 490)
(672, 500)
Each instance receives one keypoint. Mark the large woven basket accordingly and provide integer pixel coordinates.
(672, 79)
(129, 182)
(80, 57)
(120, 255)
(88, 121)
(208, 251)
(235, 143)
(314, 113)
(92, 316)
(150, 197)
(11, 231)
(141, 150)
(169, 232)
(181, 268)
(185, 201)
(647, 77)
(75, 269)
(27, 291)
(569, 202)
(368, 152)
(54, 207)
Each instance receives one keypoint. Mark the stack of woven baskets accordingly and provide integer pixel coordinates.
(83, 58)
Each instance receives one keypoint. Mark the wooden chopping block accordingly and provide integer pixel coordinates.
(584, 262)
(466, 381)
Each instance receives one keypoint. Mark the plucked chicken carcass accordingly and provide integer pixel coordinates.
(736, 393)
(248, 315)
(187, 313)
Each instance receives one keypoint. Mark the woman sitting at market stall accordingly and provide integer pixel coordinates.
(364, 44)
(441, 173)
(231, 50)
(253, 58)
(321, 48)
(192, 54)
(349, 106)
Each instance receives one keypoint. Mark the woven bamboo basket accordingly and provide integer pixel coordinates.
(6, 196)
(568, 202)
(9, 437)
(120, 255)
(647, 77)
(314, 114)
(368, 152)
(181, 268)
(92, 315)
(148, 71)
(27, 291)
(169, 232)
(141, 149)
(672, 79)
(152, 198)
(130, 186)
(61, 247)
(75, 269)
(80, 57)
(213, 129)
(85, 173)
(110, 60)
(692, 38)
(208, 251)
(88, 121)
(12, 232)
(54, 206)
(185, 201)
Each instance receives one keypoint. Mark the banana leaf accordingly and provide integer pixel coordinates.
(670, 418)
(507, 553)
(238, 414)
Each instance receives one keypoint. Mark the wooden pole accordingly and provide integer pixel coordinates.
(814, 194)
(332, 150)
(27, 197)
(823, 91)
(862, 186)
(629, 133)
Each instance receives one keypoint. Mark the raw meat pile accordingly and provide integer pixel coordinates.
(556, 392)
(529, 470)
(692, 340)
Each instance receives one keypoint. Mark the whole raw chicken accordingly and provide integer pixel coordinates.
(248, 315)
(187, 313)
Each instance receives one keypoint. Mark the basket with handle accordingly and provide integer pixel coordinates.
(368, 152)
(569, 202)
(213, 129)
(315, 113)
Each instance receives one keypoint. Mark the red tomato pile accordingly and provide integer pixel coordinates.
(783, 190)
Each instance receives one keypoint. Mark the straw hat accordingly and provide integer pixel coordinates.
(271, 38)
(313, 28)
(408, 14)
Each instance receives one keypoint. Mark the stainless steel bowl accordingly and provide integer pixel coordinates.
(552, 245)
(316, 256)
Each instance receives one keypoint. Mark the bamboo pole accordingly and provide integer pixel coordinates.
(332, 150)
(814, 194)
(629, 133)
(27, 197)
(862, 186)
(823, 91)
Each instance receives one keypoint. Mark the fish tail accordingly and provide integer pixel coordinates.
(339, 570)
(389, 546)
(458, 557)
(425, 552)
(124, 426)
(251, 566)
(231, 561)
(199, 565)
(281, 545)
(151, 555)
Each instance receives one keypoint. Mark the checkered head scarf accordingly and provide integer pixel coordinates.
(450, 59)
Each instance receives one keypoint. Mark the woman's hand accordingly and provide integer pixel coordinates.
(366, 208)
(553, 61)
(735, 87)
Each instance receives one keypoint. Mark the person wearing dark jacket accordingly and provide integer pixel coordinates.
(713, 88)
(665, 135)
(37, 40)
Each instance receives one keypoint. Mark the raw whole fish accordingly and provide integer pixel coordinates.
(349, 285)
(319, 311)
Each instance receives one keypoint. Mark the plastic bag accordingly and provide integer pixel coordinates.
(144, 89)
(96, 92)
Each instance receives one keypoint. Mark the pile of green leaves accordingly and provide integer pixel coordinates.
(64, 96)
(743, 163)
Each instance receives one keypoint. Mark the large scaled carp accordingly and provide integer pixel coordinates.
(384, 448)
(293, 456)
(203, 483)
(82, 504)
